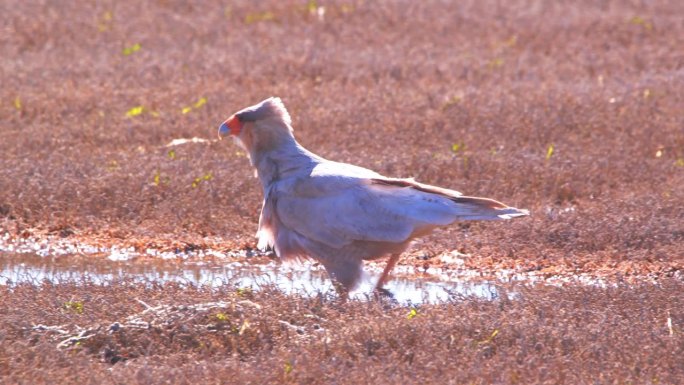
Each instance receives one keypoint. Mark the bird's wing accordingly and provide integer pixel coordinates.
(458, 207)
(339, 204)
(336, 218)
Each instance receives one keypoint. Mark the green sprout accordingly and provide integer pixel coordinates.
(496, 63)
(243, 291)
(638, 20)
(203, 178)
(198, 104)
(412, 314)
(255, 17)
(113, 165)
(160, 180)
(105, 22)
(490, 338)
(135, 111)
(549, 152)
(456, 147)
(127, 51)
(75, 306)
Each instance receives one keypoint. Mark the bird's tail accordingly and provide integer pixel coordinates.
(474, 208)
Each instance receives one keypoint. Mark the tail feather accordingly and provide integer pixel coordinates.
(466, 208)
(485, 209)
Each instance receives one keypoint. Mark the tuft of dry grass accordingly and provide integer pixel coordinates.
(146, 333)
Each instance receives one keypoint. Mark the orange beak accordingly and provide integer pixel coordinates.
(232, 126)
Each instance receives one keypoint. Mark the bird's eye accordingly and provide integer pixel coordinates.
(235, 125)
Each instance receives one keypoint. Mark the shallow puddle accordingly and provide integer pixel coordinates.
(304, 279)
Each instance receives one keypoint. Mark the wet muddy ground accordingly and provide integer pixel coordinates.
(156, 316)
(148, 320)
(300, 280)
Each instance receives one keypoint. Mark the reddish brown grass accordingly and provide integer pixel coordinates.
(392, 86)
(547, 335)
(388, 86)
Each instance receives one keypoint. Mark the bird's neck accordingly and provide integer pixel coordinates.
(287, 159)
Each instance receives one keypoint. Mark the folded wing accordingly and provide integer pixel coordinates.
(374, 209)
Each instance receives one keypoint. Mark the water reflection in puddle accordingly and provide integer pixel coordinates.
(305, 280)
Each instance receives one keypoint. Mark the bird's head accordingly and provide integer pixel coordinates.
(260, 127)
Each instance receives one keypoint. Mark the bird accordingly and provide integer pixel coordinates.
(339, 214)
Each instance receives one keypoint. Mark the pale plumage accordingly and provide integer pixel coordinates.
(337, 213)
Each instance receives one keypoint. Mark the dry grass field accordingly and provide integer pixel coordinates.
(573, 110)
(181, 335)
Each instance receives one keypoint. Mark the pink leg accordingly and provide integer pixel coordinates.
(394, 258)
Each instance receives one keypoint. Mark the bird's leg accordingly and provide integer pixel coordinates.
(385, 273)
(341, 290)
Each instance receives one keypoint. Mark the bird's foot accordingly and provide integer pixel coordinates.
(381, 292)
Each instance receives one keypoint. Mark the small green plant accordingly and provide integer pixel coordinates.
(221, 317)
(206, 177)
(312, 6)
(135, 111)
(105, 21)
(113, 165)
(549, 152)
(130, 50)
(496, 63)
(490, 338)
(160, 180)
(198, 104)
(255, 17)
(412, 313)
(638, 20)
(75, 306)
(457, 147)
(243, 291)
